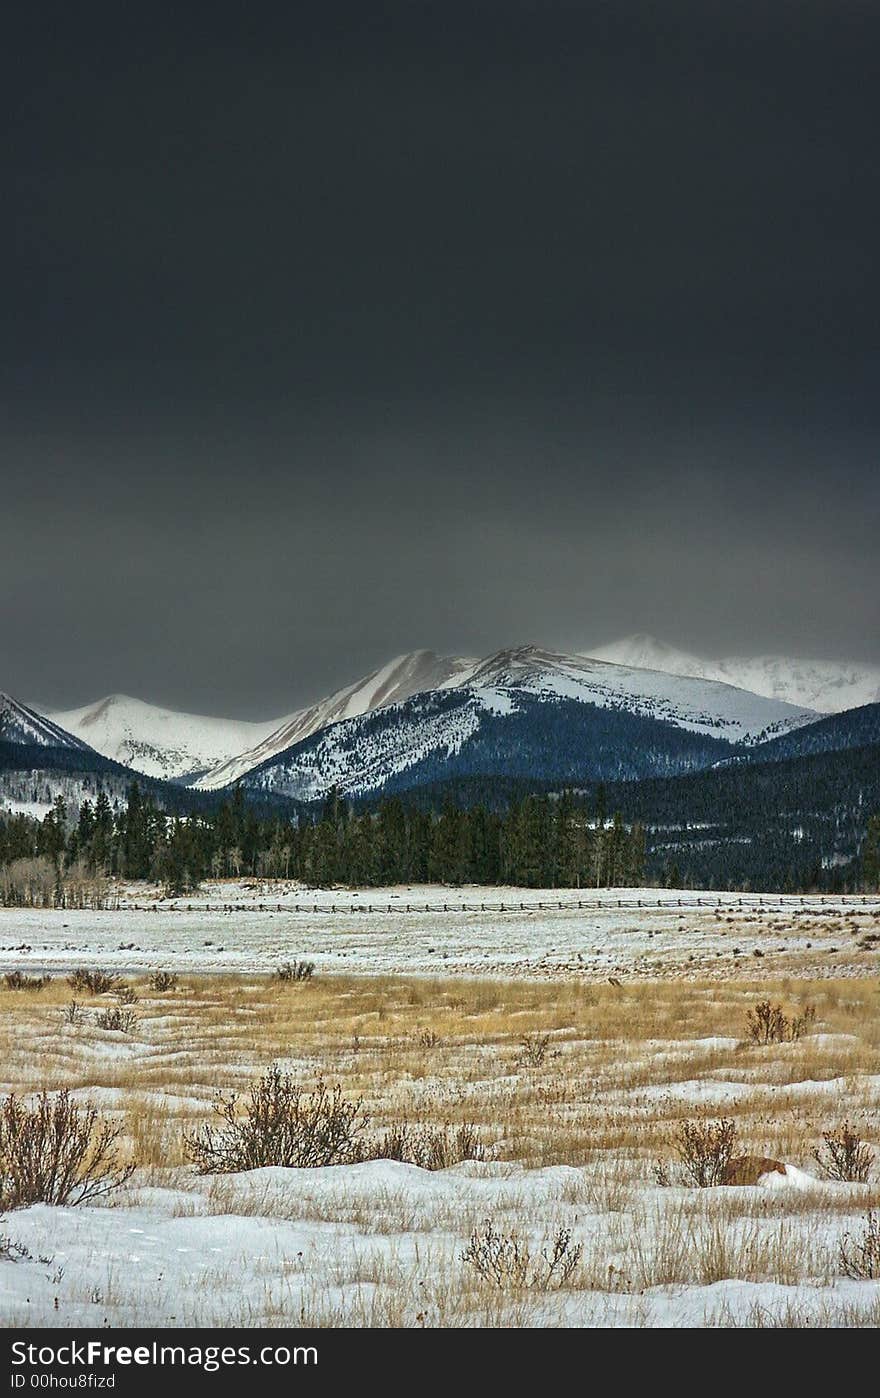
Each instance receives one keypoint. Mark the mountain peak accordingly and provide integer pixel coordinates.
(21, 725)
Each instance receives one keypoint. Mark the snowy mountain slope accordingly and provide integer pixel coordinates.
(21, 725)
(824, 685)
(402, 677)
(483, 730)
(637, 675)
(703, 706)
(159, 742)
(856, 728)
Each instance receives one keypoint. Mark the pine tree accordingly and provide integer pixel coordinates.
(870, 856)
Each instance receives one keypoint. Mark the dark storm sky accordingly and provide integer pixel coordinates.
(329, 332)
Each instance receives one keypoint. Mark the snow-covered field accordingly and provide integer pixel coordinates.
(381, 1244)
(248, 925)
(576, 1131)
(573, 1042)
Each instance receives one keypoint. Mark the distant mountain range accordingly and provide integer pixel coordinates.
(528, 713)
(735, 788)
(632, 710)
(160, 742)
(827, 686)
(215, 752)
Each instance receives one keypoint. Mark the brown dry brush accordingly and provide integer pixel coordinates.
(162, 981)
(119, 1019)
(430, 1147)
(94, 982)
(17, 980)
(860, 1257)
(283, 1123)
(506, 1261)
(768, 1024)
(705, 1149)
(533, 1050)
(844, 1156)
(57, 1151)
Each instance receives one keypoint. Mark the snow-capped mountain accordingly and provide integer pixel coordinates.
(824, 685)
(484, 731)
(402, 677)
(739, 700)
(699, 705)
(19, 724)
(156, 741)
(529, 712)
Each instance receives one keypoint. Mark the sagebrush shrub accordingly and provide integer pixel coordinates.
(119, 1019)
(295, 971)
(860, 1257)
(17, 980)
(705, 1149)
(430, 1147)
(161, 981)
(283, 1123)
(533, 1050)
(844, 1156)
(506, 1261)
(95, 982)
(57, 1151)
(768, 1024)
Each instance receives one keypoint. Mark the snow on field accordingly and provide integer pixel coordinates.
(578, 1140)
(423, 931)
(382, 1243)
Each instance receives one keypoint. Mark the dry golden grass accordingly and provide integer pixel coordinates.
(434, 1051)
(621, 1068)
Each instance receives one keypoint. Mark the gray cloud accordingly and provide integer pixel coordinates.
(338, 335)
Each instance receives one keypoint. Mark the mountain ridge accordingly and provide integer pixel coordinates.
(824, 685)
(637, 672)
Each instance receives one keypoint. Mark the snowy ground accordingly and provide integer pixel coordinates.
(381, 1244)
(571, 1133)
(248, 926)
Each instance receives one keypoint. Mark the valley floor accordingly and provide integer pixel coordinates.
(574, 1089)
(247, 926)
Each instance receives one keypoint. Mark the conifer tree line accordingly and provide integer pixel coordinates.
(538, 842)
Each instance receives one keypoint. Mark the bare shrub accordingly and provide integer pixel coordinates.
(283, 1124)
(118, 1018)
(294, 971)
(93, 982)
(660, 1172)
(162, 981)
(73, 1014)
(428, 1039)
(126, 995)
(13, 1251)
(57, 1152)
(17, 980)
(768, 1024)
(704, 1149)
(533, 1050)
(504, 1260)
(430, 1147)
(844, 1156)
(860, 1257)
(801, 1024)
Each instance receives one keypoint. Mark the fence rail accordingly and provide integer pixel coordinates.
(793, 904)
